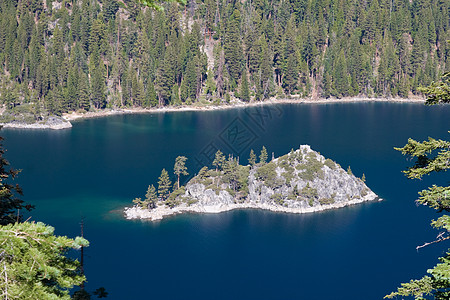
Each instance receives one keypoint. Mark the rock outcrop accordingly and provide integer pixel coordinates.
(55, 123)
(299, 182)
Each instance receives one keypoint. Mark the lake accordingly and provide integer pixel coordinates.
(96, 168)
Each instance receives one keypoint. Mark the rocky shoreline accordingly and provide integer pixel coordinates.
(234, 104)
(51, 123)
(163, 211)
(65, 121)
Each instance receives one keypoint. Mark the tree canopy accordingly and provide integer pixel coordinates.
(431, 156)
(33, 264)
(82, 54)
(10, 203)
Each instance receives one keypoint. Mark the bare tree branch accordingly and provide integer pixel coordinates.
(439, 238)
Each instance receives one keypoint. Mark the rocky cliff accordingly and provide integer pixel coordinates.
(299, 182)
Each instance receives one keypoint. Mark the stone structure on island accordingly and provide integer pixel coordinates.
(301, 181)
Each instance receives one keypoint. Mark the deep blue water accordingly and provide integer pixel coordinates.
(361, 252)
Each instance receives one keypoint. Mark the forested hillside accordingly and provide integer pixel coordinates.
(86, 54)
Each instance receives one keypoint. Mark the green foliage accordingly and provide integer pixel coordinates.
(180, 168)
(349, 171)
(311, 168)
(203, 171)
(210, 84)
(278, 198)
(10, 203)
(326, 201)
(164, 185)
(286, 163)
(150, 197)
(252, 158)
(309, 192)
(230, 174)
(173, 199)
(438, 92)
(268, 174)
(139, 202)
(242, 179)
(288, 176)
(245, 92)
(233, 46)
(330, 164)
(219, 160)
(428, 159)
(263, 156)
(33, 263)
(431, 156)
(155, 4)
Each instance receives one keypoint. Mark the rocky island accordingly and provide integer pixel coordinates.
(301, 181)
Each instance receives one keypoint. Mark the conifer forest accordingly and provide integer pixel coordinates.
(70, 55)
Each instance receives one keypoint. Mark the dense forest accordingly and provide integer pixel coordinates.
(70, 55)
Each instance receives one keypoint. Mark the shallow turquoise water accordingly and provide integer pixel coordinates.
(360, 252)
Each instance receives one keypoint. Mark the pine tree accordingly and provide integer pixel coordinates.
(245, 93)
(263, 156)
(150, 96)
(230, 174)
(10, 203)
(233, 46)
(180, 168)
(210, 88)
(83, 92)
(340, 78)
(265, 69)
(252, 158)
(150, 197)
(98, 88)
(431, 156)
(164, 80)
(219, 160)
(164, 185)
(72, 89)
(110, 9)
(34, 265)
(291, 77)
(191, 80)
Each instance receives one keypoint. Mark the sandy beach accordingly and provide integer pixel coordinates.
(234, 104)
(65, 122)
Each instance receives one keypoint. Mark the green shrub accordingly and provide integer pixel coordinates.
(213, 187)
(231, 192)
(349, 171)
(292, 197)
(267, 174)
(325, 201)
(364, 192)
(191, 201)
(173, 199)
(203, 172)
(278, 198)
(311, 155)
(311, 168)
(288, 176)
(242, 179)
(309, 192)
(207, 181)
(23, 109)
(330, 164)
(6, 118)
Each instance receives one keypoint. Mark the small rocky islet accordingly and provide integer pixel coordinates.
(301, 181)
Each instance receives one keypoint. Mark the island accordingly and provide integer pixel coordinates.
(302, 181)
